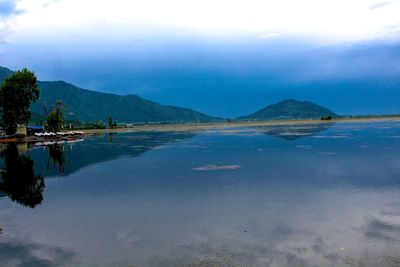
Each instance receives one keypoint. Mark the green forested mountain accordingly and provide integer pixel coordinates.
(90, 106)
(290, 109)
(85, 105)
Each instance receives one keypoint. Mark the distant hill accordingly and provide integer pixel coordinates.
(90, 106)
(290, 109)
(4, 73)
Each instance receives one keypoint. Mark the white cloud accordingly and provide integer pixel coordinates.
(323, 20)
(270, 35)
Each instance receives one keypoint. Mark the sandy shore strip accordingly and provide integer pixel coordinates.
(235, 124)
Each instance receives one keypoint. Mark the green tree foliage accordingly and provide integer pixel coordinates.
(16, 95)
(100, 125)
(55, 118)
(110, 121)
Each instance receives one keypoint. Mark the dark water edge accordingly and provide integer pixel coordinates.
(299, 195)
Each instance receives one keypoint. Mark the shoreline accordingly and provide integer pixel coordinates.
(197, 127)
(235, 124)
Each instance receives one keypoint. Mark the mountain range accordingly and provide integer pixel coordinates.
(90, 106)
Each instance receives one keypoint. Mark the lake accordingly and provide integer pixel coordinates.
(295, 195)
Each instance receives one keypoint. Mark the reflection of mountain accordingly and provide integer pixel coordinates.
(293, 132)
(70, 158)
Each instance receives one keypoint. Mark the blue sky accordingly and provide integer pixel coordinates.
(225, 58)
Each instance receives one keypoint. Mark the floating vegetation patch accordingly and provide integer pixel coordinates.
(136, 137)
(235, 132)
(243, 134)
(214, 167)
(193, 146)
(292, 132)
(137, 146)
(331, 136)
(383, 127)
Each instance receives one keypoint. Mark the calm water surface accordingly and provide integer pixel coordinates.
(309, 195)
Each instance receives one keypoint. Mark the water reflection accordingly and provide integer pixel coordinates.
(57, 157)
(294, 132)
(72, 157)
(31, 254)
(111, 137)
(26, 165)
(322, 201)
(19, 180)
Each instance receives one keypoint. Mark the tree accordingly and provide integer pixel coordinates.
(16, 95)
(100, 125)
(55, 117)
(110, 121)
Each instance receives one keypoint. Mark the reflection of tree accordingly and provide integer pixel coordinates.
(111, 137)
(19, 180)
(57, 157)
